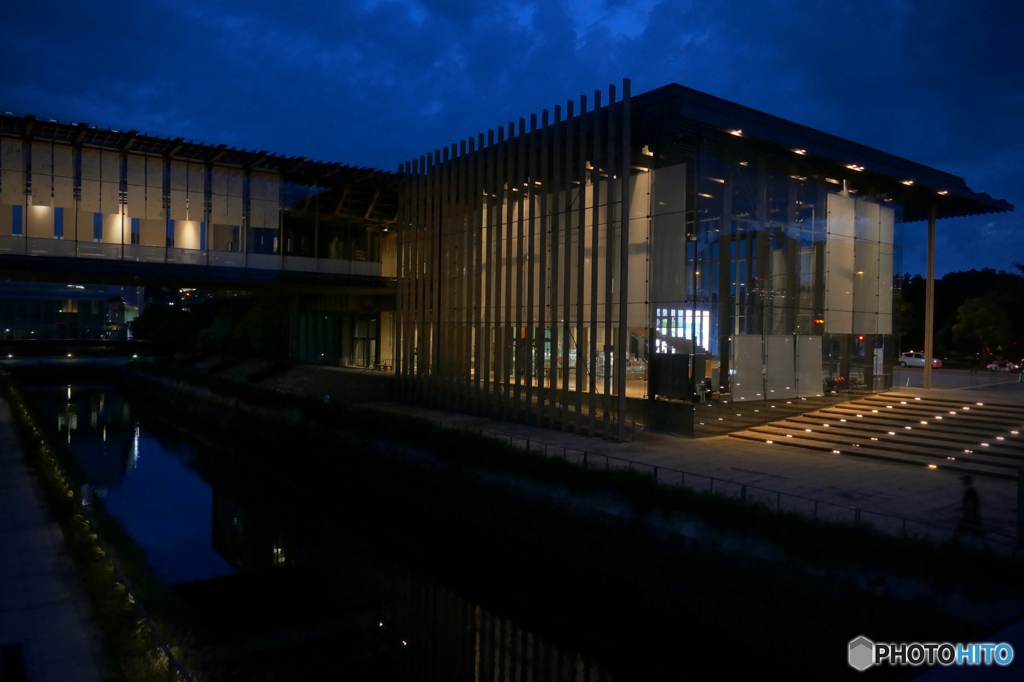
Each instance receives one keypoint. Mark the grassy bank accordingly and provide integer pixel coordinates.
(131, 653)
(827, 544)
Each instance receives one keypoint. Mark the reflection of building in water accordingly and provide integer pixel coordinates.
(249, 539)
(101, 431)
(458, 639)
(433, 632)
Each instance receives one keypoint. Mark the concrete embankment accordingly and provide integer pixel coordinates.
(653, 578)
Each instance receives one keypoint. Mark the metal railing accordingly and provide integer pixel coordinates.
(142, 253)
(775, 500)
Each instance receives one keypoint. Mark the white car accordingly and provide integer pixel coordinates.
(912, 359)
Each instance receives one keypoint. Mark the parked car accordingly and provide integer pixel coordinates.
(1001, 366)
(912, 359)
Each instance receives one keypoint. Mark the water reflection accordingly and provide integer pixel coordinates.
(410, 626)
(282, 592)
(147, 481)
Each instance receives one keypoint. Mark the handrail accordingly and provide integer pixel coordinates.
(34, 247)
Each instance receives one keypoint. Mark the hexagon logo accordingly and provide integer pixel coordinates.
(862, 653)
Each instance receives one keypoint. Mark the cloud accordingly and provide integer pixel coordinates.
(377, 82)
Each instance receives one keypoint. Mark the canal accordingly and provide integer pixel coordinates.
(285, 589)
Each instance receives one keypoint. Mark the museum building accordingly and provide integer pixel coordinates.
(650, 260)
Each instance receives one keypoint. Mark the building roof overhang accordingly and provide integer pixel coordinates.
(718, 122)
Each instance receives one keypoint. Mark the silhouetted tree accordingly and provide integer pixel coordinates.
(983, 320)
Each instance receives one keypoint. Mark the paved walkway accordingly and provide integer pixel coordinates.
(916, 493)
(1003, 383)
(41, 604)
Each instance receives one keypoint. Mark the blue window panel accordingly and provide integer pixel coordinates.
(202, 235)
(16, 217)
(58, 223)
(135, 231)
(263, 240)
(97, 227)
(170, 233)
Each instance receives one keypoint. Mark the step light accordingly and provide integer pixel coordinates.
(932, 466)
(892, 433)
(836, 452)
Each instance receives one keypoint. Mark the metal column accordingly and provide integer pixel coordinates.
(929, 301)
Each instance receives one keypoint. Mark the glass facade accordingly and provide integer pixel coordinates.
(317, 224)
(617, 268)
(780, 282)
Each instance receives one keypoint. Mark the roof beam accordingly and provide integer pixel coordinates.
(369, 209)
(341, 202)
(178, 142)
(128, 142)
(217, 153)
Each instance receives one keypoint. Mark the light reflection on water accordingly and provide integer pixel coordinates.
(150, 484)
(396, 622)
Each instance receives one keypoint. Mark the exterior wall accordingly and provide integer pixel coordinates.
(512, 267)
(174, 202)
(521, 296)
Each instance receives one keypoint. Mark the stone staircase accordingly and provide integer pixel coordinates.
(935, 432)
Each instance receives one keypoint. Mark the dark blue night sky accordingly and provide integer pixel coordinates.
(940, 82)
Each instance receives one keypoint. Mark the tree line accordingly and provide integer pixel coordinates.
(979, 315)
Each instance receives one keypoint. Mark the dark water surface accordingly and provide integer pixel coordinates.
(281, 593)
(150, 484)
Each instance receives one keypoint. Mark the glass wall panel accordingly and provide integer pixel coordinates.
(778, 255)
